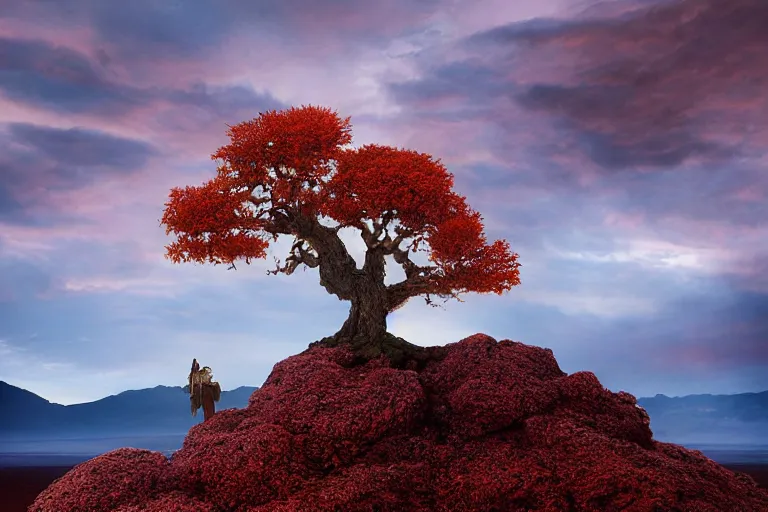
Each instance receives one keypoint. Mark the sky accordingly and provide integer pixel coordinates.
(620, 147)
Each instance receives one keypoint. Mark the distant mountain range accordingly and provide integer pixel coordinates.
(155, 411)
(740, 419)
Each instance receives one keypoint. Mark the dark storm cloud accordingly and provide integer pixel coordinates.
(140, 29)
(76, 147)
(184, 29)
(40, 159)
(669, 143)
(657, 86)
(67, 81)
(154, 29)
(466, 79)
(60, 79)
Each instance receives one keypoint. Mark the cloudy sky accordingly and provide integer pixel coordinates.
(619, 146)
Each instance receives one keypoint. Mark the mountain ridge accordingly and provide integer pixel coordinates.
(645, 398)
(8, 385)
(158, 410)
(740, 418)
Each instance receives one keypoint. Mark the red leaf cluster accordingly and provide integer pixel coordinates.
(485, 426)
(296, 144)
(373, 180)
(212, 224)
(466, 261)
(217, 222)
(293, 164)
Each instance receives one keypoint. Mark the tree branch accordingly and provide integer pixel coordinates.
(338, 270)
(299, 255)
(372, 238)
(258, 201)
(279, 222)
(399, 293)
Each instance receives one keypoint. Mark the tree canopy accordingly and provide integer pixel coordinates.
(294, 172)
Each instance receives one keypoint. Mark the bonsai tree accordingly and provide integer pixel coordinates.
(293, 172)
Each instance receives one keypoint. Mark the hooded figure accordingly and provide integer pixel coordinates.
(203, 390)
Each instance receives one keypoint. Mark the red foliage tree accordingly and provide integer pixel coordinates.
(285, 172)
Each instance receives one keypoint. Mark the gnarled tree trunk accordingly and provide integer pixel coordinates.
(365, 330)
(366, 325)
(367, 322)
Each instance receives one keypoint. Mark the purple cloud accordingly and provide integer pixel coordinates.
(657, 87)
(61, 79)
(41, 160)
(79, 147)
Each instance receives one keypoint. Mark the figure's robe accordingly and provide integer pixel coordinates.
(210, 393)
(203, 392)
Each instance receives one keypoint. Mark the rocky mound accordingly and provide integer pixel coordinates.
(482, 426)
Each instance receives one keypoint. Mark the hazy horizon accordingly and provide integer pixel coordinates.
(259, 385)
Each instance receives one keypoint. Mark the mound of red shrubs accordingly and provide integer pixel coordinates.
(481, 426)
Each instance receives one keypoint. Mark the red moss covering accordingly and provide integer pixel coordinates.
(170, 502)
(491, 426)
(107, 482)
